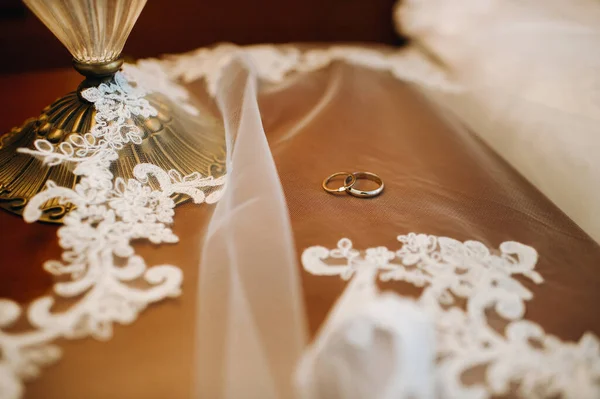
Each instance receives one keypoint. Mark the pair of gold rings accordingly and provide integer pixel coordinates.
(349, 180)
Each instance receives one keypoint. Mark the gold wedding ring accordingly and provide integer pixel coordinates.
(350, 180)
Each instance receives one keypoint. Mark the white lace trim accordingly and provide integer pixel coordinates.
(540, 364)
(274, 63)
(98, 261)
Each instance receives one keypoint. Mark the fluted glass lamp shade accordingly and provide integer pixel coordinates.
(94, 31)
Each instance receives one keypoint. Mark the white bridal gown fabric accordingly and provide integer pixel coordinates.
(373, 346)
(252, 334)
(532, 70)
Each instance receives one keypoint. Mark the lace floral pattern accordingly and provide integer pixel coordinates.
(540, 365)
(98, 261)
(273, 63)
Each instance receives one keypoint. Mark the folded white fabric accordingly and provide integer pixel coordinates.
(372, 345)
(532, 70)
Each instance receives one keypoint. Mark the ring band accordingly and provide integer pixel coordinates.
(364, 193)
(349, 181)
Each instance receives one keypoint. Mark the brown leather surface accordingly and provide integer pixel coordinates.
(437, 182)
